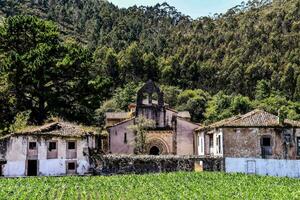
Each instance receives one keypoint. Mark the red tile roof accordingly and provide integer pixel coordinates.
(255, 118)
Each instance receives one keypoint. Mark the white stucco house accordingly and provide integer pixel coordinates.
(54, 149)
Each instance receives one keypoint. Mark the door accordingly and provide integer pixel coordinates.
(32, 168)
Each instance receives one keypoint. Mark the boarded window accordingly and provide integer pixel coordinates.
(52, 150)
(32, 152)
(71, 150)
(32, 145)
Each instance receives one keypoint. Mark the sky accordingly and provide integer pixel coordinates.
(193, 8)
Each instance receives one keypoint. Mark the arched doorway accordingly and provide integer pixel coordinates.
(154, 151)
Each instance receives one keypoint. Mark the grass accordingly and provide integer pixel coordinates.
(156, 186)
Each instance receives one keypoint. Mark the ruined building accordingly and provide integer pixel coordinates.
(54, 149)
(257, 134)
(173, 132)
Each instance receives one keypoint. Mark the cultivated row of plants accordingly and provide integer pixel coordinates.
(156, 186)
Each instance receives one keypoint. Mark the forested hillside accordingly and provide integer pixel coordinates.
(93, 55)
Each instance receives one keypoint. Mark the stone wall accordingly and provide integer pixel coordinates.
(246, 142)
(126, 164)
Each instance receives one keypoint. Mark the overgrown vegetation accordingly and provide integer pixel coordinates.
(140, 128)
(93, 56)
(156, 186)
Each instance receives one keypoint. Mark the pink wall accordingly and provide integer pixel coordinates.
(117, 145)
(185, 137)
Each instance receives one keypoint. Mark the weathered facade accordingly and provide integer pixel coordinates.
(55, 149)
(257, 134)
(173, 132)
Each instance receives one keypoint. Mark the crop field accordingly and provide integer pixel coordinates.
(156, 186)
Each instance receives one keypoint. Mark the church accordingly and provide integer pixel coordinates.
(173, 133)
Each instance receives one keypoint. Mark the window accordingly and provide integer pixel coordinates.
(52, 150)
(71, 166)
(52, 146)
(71, 150)
(125, 138)
(32, 145)
(71, 145)
(266, 141)
(211, 144)
(298, 146)
(219, 143)
(266, 146)
(211, 141)
(201, 144)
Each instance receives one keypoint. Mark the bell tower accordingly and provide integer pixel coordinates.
(150, 108)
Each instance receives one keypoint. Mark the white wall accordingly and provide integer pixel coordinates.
(16, 156)
(270, 167)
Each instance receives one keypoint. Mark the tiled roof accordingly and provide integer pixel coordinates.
(255, 118)
(117, 115)
(184, 114)
(122, 122)
(64, 129)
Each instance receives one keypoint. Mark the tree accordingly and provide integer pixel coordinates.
(297, 90)
(263, 90)
(288, 81)
(29, 45)
(131, 63)
(193, 101)
(140, 128)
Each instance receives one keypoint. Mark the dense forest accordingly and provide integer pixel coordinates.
(77, 59)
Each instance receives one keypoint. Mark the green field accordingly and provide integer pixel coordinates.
(156, 186)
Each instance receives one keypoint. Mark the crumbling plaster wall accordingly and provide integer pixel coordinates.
(246, 142)
(17, 156)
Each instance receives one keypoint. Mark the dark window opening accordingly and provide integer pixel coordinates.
(266, 141)
(32, 145)
(52, 146)
(298, 146)
(211, 141)
(71, 166)
(154, 151)
(266, 146)
(125, 138)
(71, 145)
(219, 144)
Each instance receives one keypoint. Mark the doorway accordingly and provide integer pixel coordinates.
(32, 168)
(154, 151)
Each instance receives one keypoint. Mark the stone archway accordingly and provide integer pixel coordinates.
(157, 147)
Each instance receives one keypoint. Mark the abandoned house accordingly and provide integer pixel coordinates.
(54, 149)
(257, 134)
(173, 132)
